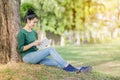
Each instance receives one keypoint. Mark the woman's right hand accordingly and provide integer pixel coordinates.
(35, 43)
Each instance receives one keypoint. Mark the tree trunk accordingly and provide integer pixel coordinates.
(9, 26)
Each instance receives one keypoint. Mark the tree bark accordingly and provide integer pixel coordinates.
(9, 26)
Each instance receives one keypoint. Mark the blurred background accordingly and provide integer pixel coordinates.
(76, 22)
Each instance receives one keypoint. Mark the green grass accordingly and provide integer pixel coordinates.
(105, 59)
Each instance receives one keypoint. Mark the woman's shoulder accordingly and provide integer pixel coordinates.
(21, 33)
(21, 30)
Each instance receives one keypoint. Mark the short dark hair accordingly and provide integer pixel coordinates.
(30, 15)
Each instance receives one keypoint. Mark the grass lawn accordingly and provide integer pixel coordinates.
(105, 59)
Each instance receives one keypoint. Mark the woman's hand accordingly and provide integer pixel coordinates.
(35, 43)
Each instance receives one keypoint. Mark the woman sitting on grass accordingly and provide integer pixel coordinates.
(27, 42)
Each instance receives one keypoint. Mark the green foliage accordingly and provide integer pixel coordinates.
(54, 16)
(59, 15)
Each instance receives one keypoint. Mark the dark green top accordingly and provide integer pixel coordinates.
(24, 38)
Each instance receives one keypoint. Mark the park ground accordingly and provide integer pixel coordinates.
(105, 59)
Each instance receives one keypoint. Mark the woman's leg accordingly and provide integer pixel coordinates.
(40, 57)
(37, 56)
(49, 62)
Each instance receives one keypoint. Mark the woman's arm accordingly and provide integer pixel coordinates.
(35, 43)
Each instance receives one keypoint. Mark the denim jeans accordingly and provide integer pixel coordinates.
(41, 57)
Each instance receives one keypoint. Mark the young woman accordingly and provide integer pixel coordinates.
(27, 42)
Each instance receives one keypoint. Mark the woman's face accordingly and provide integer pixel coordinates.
(32, 22)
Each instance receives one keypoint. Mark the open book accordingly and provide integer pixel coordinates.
(44, 44)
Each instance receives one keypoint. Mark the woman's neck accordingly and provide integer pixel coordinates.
(27, 27)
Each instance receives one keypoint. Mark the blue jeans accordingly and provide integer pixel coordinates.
(40, 57)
